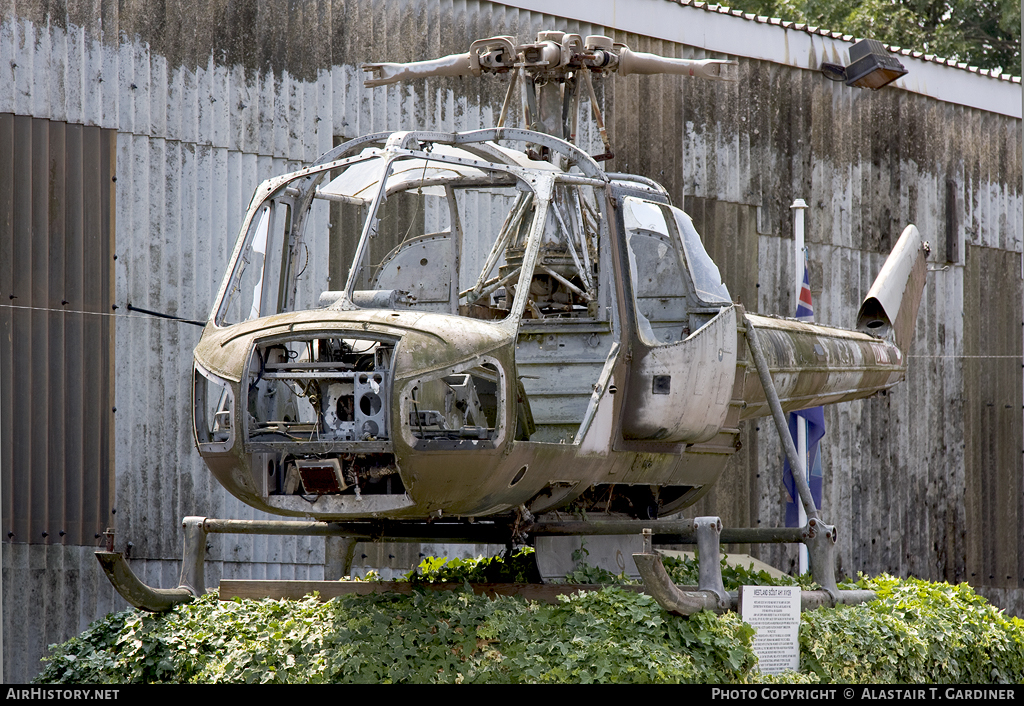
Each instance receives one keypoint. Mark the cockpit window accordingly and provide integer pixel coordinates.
(438, 228)
(413, 242)
(256, 286)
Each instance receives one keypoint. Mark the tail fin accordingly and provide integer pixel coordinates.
(890, 308)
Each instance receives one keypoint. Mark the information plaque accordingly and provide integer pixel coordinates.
(774, 612)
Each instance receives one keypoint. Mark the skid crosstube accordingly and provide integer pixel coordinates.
(706, 532)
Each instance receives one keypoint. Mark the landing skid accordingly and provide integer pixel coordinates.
(615, 535)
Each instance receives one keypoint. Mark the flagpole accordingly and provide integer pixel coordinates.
(798, 208)
(801, 448)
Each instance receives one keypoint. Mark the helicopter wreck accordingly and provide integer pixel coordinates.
(577, 347)
(434, 390)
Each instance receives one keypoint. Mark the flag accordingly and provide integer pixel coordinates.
(815, 418)
(815, 431)
(804, 306)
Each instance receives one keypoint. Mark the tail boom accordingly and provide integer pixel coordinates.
(813, 365)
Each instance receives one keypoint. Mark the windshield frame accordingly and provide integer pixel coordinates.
(538, 181)
(270, 190)
(300, 188)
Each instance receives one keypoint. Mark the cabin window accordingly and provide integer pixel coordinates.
(657, 274)
(435, 229)
(676, 286)
(213, 410)
(413, 252)
(458, 408)
(707, 280)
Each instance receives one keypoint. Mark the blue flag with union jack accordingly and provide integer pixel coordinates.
(815, 418)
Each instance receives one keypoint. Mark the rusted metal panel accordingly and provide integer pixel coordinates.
(7, 380)
(58, 355)
(993, 418)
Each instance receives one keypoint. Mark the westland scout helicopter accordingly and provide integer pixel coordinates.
(518, 331)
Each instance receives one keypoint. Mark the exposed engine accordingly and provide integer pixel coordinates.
(303, 393)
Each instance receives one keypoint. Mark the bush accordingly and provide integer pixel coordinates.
(916, 632)
(454, 636)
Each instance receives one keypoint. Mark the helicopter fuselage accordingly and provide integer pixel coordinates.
(512, 334)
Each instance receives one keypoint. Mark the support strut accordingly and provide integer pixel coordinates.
(706, 532)
(138, 594)
(795, 462)
(710, 593)
(158, 600)
(820, 537)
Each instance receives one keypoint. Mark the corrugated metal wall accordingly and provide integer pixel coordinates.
(56, 362)
(56, 377)
(207, 101)
(992, 350)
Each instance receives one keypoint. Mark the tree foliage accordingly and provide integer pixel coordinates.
(982, 33)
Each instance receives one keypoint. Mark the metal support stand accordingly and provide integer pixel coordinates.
(158, 600)
(193, 557)
(708, 531)
(820, 541)
(819, 538)
(339, 553)
(687, 600)
(193, 581)
(795, 462)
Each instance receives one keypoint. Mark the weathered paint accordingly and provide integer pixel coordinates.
(660, 294)
(203, 115)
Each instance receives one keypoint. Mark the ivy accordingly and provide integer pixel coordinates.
(685, 572)
(916, 632)
(516, 566)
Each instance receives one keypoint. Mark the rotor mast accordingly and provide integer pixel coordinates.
(552, 73)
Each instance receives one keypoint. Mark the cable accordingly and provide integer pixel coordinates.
(148, 314)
